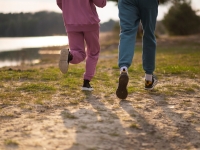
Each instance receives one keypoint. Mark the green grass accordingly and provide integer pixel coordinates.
(10, 142)
(67, 115)
(181, 60)
(174, 65)
(134, 126)
(36, 87)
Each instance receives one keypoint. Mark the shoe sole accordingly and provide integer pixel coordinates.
(154, 84)
(122, 91)
(63, 62)
(87, 89)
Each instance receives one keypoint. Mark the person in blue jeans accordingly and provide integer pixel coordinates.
(131, 13)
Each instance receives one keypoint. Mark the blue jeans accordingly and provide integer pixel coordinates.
(131, 12)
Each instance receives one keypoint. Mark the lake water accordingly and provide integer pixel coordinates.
(25, 50)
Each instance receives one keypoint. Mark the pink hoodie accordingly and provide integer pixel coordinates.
(80, 15)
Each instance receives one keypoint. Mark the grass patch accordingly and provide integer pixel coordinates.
(114, 134)
(134, 126)
(10, 95)
(10, 142)
(50, 74)
(174, 65)
(33, 87)
(18, 74)
(67, 115)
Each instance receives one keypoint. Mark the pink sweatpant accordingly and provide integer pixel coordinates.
(77, 41)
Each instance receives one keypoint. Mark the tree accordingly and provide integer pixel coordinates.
(31, 24)
(182, 19)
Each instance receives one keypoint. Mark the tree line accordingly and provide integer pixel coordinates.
(181, 19)
(31, 24)
(37, 24)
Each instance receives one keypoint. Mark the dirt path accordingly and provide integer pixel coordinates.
(145, 121)
(141, 122)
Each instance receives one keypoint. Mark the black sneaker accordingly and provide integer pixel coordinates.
(149, 85)
(122, 91)
(65, 57)
(86, 86)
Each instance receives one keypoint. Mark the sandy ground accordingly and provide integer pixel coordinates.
(142, 122)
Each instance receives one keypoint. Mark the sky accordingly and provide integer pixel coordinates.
(110, 11)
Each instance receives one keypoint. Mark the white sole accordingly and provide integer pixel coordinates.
(63, 62)
(87, 89)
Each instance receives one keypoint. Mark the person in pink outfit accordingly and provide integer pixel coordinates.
(82, 26)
